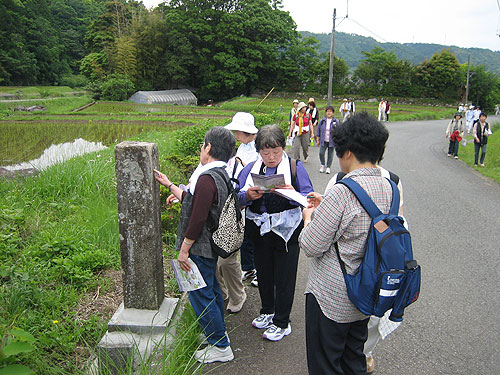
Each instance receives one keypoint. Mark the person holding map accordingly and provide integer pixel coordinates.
(274, 223)
(205, 198)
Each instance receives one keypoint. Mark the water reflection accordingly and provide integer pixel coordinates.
(59, 153)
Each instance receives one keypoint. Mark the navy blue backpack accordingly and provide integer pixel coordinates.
(388, 277)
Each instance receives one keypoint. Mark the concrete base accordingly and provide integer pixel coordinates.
(136, 337)
(143, 321)
(118, 351)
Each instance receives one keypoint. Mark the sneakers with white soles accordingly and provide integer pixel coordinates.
(263, 321)
(327, 170)
(322, 169)
(275, 333)
(248, 274)
(214, 354)
(255, 282)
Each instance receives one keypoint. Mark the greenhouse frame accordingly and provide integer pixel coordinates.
(179, 97)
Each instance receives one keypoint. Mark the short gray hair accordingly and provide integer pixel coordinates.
(270, 136)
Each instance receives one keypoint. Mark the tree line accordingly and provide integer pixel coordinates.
(217, 48)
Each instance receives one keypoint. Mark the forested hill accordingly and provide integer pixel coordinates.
(349, 47)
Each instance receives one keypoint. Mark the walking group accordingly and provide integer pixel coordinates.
(339, 338)
(475, 124)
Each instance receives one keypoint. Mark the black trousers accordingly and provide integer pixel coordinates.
(276, 271)
(333, 348)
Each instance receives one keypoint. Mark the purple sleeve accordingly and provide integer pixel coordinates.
(242, 178)
(304, 184)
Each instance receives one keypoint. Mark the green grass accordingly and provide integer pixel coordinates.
(492, 159)
(33, 91)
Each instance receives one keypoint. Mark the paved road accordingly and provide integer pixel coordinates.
(454, 219)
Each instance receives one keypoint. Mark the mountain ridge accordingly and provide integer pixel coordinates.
(349, 47)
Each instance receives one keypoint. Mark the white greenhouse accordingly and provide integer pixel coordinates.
(179, 97)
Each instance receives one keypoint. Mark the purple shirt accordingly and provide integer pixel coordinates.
(303, 182)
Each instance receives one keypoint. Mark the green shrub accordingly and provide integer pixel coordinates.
(117, 88)
(74, 80)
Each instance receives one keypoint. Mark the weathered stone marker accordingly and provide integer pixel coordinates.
(140, 225)
(138, 329)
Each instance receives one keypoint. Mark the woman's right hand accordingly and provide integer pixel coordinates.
(171, 199)
(254, 193)
(314, 199)
(161, 178)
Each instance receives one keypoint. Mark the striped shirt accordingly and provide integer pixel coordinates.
(341, 218)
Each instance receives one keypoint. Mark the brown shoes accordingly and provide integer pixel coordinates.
(370, 364)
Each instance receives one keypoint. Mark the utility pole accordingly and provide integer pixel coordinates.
(332, 56)
(467, 84)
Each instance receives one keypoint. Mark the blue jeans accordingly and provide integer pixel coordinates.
(477, 146)
(208, 304)
(246, 250)
(322, 150)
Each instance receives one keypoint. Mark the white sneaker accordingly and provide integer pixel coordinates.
(255, 282)
(263, 321)
(214, 354)
(327, 170)
(322, 169)
(245, 275)
(275, 333)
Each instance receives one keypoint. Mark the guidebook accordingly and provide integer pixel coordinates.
(293, 195)
(188, 281)
(266, 183)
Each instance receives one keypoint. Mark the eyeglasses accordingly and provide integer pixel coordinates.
(202, 145)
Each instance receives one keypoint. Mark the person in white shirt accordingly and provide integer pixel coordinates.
(469, 118)
(477, 113)
(344, 110)
(229, 270)
(381, 110)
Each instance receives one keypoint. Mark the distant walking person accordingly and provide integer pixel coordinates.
(324, 139)
(469, 118)
(352, 107)
(344, 110)
(381, 110)
(481, 132)
(387, 110)
(477, 113)
(497, 110)
(455, 132)
(313, 111)
(300, 130)
(293, 111)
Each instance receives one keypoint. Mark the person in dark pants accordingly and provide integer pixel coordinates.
(335, 329)
(455, 132)
(324, 139)
(273, 224)
(481, 131)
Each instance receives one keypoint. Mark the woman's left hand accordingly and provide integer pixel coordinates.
(183, 260)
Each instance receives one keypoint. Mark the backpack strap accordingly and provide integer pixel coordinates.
(293, 169)
(230, 188)
(367, 202)
(340, 176)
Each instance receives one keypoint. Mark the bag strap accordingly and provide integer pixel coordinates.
(367, 202)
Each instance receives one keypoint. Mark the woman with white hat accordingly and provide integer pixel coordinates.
(301, 129)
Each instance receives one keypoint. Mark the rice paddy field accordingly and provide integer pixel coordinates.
(25, 135)
(60, 276)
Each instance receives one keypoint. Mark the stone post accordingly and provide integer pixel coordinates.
(139, 225)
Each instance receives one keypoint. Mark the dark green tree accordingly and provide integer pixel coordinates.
(439, 77)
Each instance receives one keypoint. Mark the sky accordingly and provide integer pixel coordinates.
(462, 23)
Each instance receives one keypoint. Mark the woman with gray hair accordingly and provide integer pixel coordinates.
(273, 224)
(203, 201)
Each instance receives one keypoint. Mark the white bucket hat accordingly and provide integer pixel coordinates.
(301, 105)
(244, 122)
